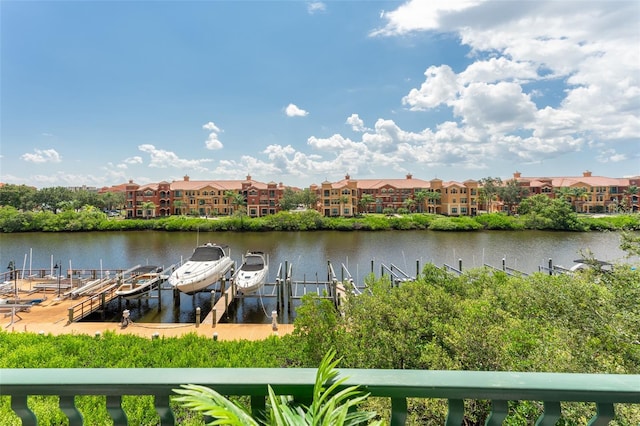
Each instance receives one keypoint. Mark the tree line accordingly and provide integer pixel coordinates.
(58, 198)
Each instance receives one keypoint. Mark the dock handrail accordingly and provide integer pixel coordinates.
(397, 274)
(500, 388)
(509, 271)
(452, 269)
(92, 304)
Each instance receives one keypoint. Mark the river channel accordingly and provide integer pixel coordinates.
(307, 252)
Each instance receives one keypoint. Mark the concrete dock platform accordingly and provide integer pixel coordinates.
(51, 317)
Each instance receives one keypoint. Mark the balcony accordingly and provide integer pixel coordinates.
(604, 390)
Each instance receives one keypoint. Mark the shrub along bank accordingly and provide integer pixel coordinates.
(554, 217)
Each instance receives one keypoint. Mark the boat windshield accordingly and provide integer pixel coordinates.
(207, 253)
(253, 263)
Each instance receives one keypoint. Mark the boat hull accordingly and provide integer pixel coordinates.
(141, 286)
(252, 274)
(193, 277)
(251, 284)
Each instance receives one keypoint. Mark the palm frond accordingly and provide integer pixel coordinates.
(331, 405)
(211, 403)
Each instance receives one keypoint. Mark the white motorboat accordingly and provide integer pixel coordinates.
(139, 281)
(253, 272)
(208, 264)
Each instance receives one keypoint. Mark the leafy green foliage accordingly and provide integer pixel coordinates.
(455, 224)
(292, 199)
(626, 222)
(317, 320)
(484, 320)
(500, 221)
(630, 243)
(543, 212)
(330, 404)
(538, 212)
(211, 403)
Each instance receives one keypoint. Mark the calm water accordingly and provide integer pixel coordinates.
(308, 252)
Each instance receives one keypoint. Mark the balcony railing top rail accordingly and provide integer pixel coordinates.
(499, 387)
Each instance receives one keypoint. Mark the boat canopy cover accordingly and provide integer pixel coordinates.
(207, 253)
(145, 269)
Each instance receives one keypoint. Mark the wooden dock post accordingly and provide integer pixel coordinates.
(226, 300)
(103, 306)
(160, 296)
(176, 297)
(417, 268)
(550, 266)
(289, 295)
(334, 291)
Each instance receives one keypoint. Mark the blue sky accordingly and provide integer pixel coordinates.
(97, 93)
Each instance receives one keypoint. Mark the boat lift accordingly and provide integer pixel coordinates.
(509, 271)
(398, 276)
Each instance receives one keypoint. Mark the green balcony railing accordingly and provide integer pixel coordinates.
(604, 390)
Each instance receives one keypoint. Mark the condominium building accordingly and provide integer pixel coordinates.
(202, 198)
(349, 197)
(587, 193)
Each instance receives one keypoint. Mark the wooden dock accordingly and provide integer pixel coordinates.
(63, 306)
(51, 316)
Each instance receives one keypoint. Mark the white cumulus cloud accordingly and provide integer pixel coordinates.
(212, 142)
(356, 123)
(42, 156)
(162, 159)
(210, 126)
(293, 111)
(315, 7)
(136, 159)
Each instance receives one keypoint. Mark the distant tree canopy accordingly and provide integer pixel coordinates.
(543, 212)
(58, 198)
(22, 197)
(292, 199)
